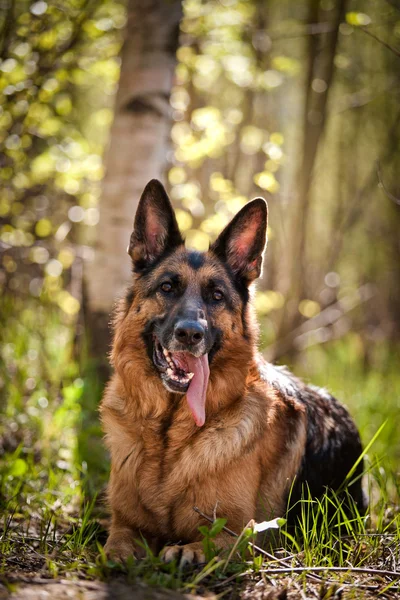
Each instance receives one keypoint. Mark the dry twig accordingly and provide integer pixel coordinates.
(380, 572)
(387, 192)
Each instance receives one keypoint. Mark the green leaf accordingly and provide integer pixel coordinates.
(18, 468)
(217, 527)
(258, 560)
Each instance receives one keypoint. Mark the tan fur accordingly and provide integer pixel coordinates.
(242, 461)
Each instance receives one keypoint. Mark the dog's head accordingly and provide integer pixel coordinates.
(190, 306)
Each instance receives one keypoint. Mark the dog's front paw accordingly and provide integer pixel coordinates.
(120, 548)
(189, 554)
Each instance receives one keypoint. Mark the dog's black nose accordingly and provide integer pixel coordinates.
(189, 332)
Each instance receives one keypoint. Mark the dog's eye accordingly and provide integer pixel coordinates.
(217, 296)
(166, 287)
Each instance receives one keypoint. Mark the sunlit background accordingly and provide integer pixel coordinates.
(294, 101)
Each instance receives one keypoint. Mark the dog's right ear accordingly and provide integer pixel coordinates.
(155, 229)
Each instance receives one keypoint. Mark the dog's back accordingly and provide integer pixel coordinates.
(333, 444)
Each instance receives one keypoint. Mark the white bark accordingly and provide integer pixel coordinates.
(139, 141)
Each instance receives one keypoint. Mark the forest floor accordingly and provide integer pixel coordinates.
(53, 470)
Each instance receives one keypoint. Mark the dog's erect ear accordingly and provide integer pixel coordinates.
(241, 244)
(155, 229)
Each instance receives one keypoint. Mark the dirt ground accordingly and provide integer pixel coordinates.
(41, 589)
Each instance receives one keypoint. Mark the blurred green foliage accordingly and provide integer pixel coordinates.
(58, 75)
(48, 422)
(40, 392)
(219, 64)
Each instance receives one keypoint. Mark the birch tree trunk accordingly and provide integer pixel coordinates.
(137, 152)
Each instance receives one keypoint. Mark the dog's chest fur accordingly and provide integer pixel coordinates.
(166, 466)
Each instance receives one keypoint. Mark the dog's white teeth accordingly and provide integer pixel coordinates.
(171, 374)
(173, 370)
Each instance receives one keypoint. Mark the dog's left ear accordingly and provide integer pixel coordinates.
(155, 229)
(241, 244)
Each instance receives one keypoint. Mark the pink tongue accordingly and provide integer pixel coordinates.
(196, 394)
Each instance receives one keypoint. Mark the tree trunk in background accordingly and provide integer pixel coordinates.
(320, 70)
(137, 153)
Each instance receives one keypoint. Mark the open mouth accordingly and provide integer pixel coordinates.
(173, 367)
(184, 373)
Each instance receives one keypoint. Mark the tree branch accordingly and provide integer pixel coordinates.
(388, 46)
(382, 185)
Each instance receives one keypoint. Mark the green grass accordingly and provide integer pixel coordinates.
(53, 471)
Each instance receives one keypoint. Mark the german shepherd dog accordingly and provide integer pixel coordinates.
(193, 415)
